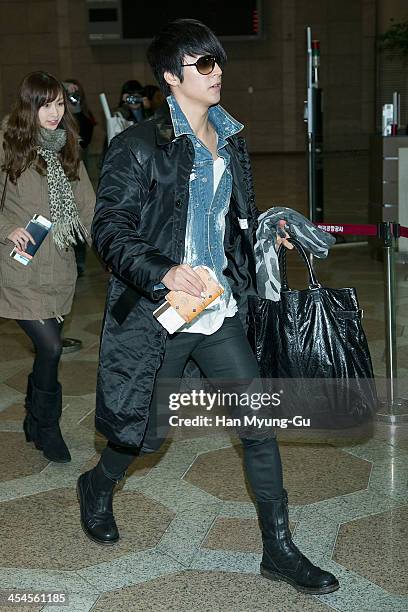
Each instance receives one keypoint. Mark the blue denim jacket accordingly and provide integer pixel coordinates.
(204, 241)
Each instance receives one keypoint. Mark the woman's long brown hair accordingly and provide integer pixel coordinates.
(22, 128)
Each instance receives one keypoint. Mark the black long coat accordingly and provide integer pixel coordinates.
(139, 231)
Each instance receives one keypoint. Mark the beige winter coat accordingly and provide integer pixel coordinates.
(45, 287)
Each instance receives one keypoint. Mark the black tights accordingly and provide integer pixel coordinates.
(46, 338)
(116, 459)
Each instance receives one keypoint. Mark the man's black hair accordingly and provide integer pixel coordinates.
(177, 39)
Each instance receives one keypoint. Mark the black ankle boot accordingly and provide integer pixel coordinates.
(47, 409)
(95, 493)
(282, 560)
(30, 423)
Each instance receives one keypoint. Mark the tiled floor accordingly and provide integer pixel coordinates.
(190, 540)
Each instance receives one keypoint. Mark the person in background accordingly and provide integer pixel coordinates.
(152, 99)
(82, 114)
(131, 102)
(85, 123)
(41, 173)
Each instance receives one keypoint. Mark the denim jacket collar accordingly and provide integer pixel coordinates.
(223, 123)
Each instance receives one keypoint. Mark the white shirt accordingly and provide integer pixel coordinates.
(211, 319)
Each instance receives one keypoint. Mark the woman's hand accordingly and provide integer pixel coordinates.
(283, 238)
(20, 238)
(184, 278)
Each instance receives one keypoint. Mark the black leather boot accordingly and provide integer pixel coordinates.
(282, 560)
(30, 423)
(95, 493)
(47, 409)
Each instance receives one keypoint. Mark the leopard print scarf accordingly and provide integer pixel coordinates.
(66, 224)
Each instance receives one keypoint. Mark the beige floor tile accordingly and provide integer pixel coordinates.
(311, 473)
(376, 547)
(234, 534)
(221, 474)
(208, 591)
(94, 327)
(43, 530)
(76, 377)
(87, 305)
(15, 346)
(15, 412)
(19, 458)
(238, 534)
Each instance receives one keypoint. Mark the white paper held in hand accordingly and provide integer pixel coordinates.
(38, 227)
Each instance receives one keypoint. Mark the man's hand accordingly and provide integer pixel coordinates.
(284, 238)
(20, 238)
(183, 278)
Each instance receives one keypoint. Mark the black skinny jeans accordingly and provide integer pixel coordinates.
(47, 341)
(222, 356)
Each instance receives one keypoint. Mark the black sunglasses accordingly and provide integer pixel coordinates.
(204, 64)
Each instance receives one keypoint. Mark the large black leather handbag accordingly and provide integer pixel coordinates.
(311, 347)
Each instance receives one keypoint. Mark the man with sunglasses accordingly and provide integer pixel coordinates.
(176, 192)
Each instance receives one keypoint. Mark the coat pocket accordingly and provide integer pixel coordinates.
(65, 266)
(12, 272)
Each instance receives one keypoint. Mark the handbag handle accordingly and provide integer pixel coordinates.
(313, 282)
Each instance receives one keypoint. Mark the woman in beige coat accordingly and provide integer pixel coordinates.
(41, 174)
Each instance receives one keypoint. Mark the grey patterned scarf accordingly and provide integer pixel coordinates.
(312, 238)
(66, 224)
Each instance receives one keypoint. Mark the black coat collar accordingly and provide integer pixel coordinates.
(164, 125)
